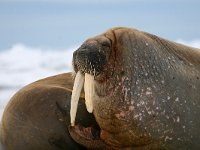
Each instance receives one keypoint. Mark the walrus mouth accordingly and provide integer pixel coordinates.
(88, 137)
(88, 62)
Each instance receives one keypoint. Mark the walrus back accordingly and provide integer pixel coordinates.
(184, 52)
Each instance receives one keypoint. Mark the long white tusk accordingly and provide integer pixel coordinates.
(89, 92)
(78, 84)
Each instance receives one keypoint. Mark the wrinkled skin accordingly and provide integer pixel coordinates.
(146, 90)
(37, 116)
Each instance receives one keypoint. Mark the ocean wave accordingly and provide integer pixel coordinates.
(21, 64)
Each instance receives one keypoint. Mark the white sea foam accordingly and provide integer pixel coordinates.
(21, 65)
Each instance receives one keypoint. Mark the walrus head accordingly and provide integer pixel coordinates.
(110, 66)
(91, 63)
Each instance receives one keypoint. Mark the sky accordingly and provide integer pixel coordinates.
(64, 23)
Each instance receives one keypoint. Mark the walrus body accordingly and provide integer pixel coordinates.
(147, 89)
(37, 116)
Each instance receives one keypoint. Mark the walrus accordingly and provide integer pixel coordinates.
(37, 116)
(142, 89)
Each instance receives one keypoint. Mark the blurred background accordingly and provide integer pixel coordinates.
(38, 37)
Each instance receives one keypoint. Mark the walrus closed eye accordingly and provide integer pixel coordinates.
(142, 89)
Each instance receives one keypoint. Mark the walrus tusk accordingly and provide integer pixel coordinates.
(78, 84)
(89, 94)
(89, 91)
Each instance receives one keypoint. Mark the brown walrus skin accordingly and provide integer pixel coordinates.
(147, 90)
(37, 116)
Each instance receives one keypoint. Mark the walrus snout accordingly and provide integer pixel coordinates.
(89, 59)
